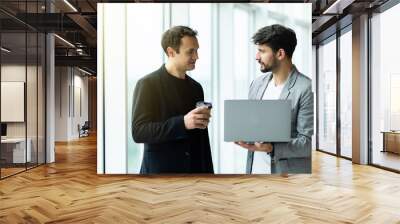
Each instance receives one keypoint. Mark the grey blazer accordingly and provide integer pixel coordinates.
(294, 156)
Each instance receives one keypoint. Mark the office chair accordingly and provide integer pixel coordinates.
(84, 130)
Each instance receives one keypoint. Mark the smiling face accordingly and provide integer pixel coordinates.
(267, 58)
(186, 59)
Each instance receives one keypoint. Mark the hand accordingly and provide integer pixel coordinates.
(197, 118)
(261, 147)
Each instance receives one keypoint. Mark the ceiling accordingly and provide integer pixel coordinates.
(76, 22)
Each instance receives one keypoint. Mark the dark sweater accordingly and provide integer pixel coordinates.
(160, 102)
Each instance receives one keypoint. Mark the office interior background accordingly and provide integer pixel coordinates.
(45, 98)
(51, 99)
(225, 69)
(331, 66)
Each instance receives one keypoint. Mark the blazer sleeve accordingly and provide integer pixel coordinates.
(300, 146)
(145, 126)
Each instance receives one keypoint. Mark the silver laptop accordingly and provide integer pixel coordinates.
(257, 120)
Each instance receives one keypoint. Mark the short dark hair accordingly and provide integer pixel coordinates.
(277, 37)
(172, 37)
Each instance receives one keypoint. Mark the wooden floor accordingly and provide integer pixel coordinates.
(387, 159)
(70, 191)
(10, 171)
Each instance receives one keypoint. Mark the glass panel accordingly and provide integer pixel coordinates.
(233, 157)
(31, 98)
(41, 99)
(13, 87)
(327, 97)
(143, 59)
(200, 20)
(385, 84)
(20, 77)
(346, 94)
(32, 86)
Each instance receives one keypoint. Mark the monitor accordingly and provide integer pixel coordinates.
(3, 129)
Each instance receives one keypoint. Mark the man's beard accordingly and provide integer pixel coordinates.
(269, 68)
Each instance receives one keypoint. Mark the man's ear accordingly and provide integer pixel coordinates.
(170, 52)
(280, 54)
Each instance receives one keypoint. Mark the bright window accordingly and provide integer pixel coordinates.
(327, 96)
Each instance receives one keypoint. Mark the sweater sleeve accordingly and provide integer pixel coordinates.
(145, 127)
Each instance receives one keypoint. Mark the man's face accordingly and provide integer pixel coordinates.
(187, 56)
(267, 58)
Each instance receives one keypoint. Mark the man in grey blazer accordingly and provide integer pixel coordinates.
(275, 45)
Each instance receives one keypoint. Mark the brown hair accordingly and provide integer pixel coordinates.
(172, 37)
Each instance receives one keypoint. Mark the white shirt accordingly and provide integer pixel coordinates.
(261, 160)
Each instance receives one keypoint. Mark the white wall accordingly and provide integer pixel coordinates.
(33, 126)
(114, 81)
(12, 101)
(16, 73)
(71, 92)
(61, 103)
(81, 82)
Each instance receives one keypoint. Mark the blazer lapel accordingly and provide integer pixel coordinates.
(286, 89)
(263, 86)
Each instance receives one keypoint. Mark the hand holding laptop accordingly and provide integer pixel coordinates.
(258, 146)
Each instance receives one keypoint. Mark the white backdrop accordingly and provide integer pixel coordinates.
(129, 47)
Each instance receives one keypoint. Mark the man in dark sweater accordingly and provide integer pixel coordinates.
(164, 113)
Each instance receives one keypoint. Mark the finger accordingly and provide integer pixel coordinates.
(259, 145)
(243, 144)
(202, 116)
(201, 125)
(205, 113)
(252, 148)
(200, 110)
(247, 146)
(201, 122)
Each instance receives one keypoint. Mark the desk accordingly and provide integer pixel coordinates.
(391, 141)
(15, 148)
